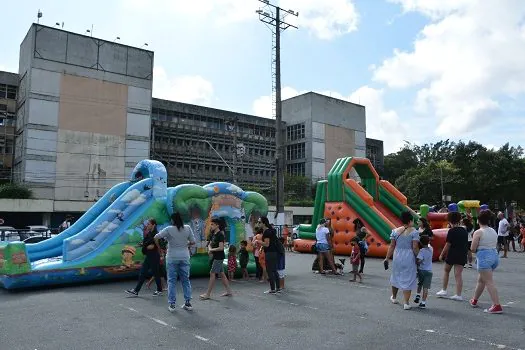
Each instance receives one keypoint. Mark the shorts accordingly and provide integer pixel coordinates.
(487, 259)
(322, 247)
(424, 278)
(502, 239)
(355, 267)
(216, 266)
(281, 274)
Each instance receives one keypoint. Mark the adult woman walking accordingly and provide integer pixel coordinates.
(484, 243)
(404, 247)
(216, 249)
(151, 260)
(455, 255)
(269, 244)
(180, 238)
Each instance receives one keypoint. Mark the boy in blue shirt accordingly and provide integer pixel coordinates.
(424, 271)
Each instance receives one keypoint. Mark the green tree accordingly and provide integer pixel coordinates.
(15, 191)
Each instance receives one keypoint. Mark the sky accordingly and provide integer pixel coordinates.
(425, 70)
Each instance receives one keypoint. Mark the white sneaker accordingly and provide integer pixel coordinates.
(406, 307)
(393, 300)
(456, 298)
(442, 294)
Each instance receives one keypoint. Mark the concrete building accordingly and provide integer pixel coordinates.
(83, 118)
(202, 145)
(319, 130)
(8, 93)
(375, 152)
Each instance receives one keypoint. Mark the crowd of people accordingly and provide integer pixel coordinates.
(411, 255)
(171, 248)
(410, 250)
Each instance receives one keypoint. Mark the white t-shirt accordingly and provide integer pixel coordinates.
(470, 233)
(321, 233)
(503, 228)
(177, 242)
(248, 231)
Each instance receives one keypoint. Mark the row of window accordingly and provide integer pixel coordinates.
(212, 123)
(295, 132)
(217, 146)
(297, 169)
(8, 91)
(296, 151)
(194, 168)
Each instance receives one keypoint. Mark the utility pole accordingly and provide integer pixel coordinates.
(274, 18)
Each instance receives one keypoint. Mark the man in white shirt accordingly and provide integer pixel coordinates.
(503, 233)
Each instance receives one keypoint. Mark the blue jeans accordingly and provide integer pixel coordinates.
(178, 269)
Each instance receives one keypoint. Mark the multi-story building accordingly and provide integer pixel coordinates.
(8, 92)
(202, 145)
(375, 152)
(83, 117)
(321, 129)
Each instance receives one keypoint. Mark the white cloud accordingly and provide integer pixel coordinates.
(77, 242)
(381, 123)
(262, 106)
(462, 62)
(324, 19)
(189, 89)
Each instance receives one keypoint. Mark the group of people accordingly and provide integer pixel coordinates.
(269, 255)
(411, 255)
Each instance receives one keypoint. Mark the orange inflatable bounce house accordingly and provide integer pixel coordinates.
(377, 203)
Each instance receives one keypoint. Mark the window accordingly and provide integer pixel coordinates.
(296, 151)
(297, 169)
(295, 132)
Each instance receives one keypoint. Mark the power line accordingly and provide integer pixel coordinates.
(274, 17)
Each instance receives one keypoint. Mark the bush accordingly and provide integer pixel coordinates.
(15, 191)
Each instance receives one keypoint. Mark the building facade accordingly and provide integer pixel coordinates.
(375, 152)
(320, 129)
(202, 145)
(83, 115)
(8, 94)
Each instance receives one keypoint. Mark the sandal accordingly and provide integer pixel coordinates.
(226, 294)
(204, 297)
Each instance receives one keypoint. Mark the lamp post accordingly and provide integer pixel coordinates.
(234, 174)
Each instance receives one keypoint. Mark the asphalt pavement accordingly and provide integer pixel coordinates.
(315, 312)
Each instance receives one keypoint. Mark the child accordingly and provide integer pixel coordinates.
(424, 272)
(355, 259)
(280, 268)
(232, 262)
(243, 259)
(289, 243)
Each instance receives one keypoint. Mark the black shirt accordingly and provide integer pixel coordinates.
(243, 256)
(272, 235)
(215, 239)
(149, 240)
(458, 239)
